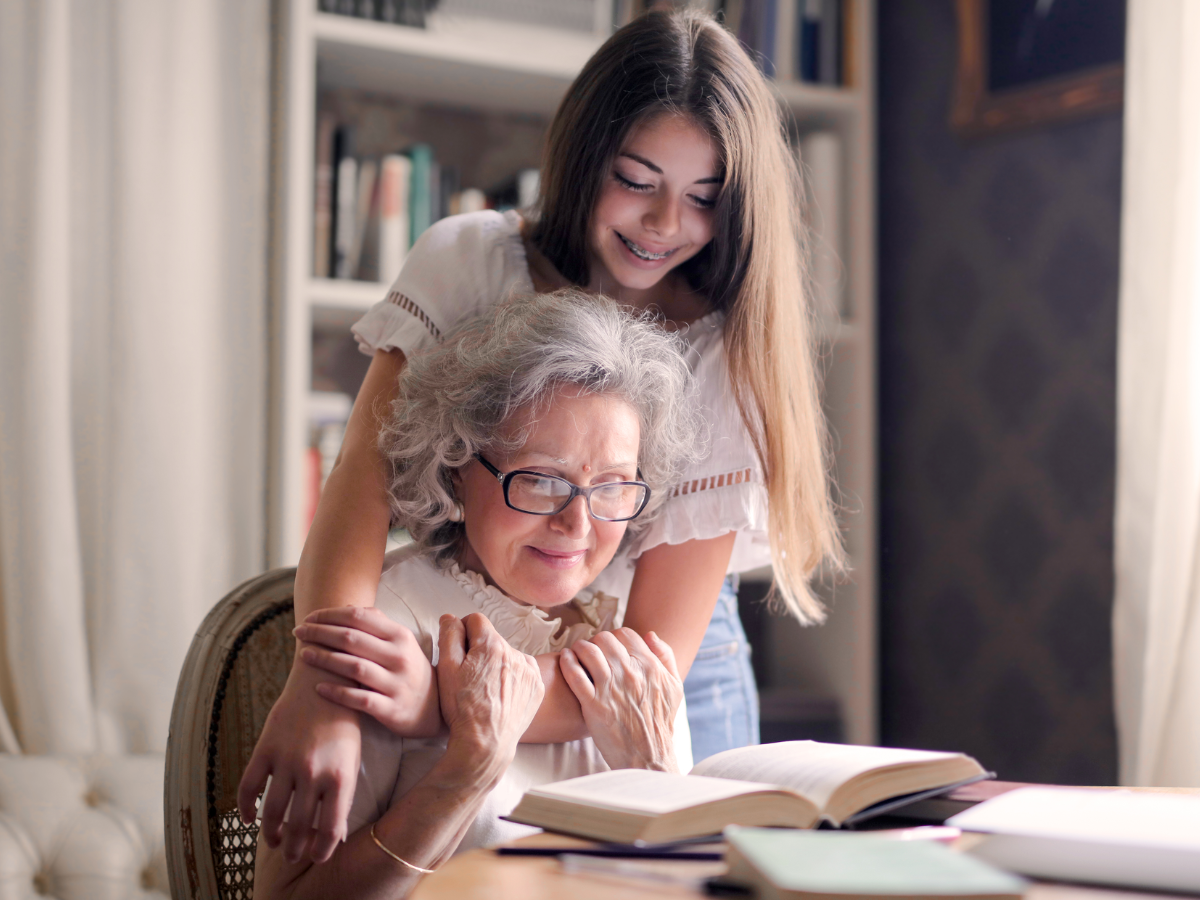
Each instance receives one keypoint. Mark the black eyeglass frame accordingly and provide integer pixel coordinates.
(505, 478)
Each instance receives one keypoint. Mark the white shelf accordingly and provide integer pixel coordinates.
(810, 101)
(485, 64)
(478, 64)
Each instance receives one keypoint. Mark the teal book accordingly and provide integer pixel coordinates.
(420, 195)
(783, 864)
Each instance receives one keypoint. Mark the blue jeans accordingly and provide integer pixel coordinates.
(722, 700)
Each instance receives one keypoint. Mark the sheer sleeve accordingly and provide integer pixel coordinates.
(459, 267)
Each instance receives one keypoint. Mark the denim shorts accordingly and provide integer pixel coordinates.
(722, 700)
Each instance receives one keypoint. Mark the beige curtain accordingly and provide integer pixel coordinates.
(1156, 623)
(133, 198)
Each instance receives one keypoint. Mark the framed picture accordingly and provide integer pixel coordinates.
(1025, 63)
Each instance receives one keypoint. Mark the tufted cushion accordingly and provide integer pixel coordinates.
(81, 827)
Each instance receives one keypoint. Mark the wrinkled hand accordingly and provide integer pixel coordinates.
(310, 749)
(394, 682)
(629, 690)
(489, 694)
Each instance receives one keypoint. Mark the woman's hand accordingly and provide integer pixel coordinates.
(629, 690)
(489, 694)
(395, 682)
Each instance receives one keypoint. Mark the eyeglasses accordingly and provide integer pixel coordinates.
(547, 495)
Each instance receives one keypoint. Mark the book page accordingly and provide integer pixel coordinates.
(639, 790)
(810, 768)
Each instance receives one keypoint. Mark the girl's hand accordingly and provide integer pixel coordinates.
(629, 690)
(311, 751)
(489, 692)
(394, 681)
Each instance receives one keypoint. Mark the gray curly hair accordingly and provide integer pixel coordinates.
(455, 398)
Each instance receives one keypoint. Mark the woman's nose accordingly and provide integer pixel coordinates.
(574, 521)
(663, 216)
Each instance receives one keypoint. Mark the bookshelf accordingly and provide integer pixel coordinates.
(480, 67)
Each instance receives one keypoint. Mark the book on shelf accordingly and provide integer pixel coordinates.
(395, 178)
(345, 195)
(789, 865)
(397, 12)
(364, 205)
(420, 197)
(323, 195)
(819, 42)
(795, 784)
(368, 211)
(829, 70)
(1109, 837)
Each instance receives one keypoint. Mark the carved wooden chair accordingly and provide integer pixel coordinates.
(236, 668)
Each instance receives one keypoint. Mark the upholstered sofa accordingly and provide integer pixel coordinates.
(82, 828)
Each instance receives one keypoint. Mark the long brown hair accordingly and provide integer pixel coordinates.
(683, 62)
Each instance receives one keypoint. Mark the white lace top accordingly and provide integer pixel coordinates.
(416, 593)
(464, 264)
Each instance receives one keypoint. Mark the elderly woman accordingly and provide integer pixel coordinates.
(525, 448)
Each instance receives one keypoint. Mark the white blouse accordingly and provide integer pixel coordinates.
(416, 593)
(464, 264)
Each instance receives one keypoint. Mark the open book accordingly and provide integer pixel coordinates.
(794, 784)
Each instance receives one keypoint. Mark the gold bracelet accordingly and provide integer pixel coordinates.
(403, 862)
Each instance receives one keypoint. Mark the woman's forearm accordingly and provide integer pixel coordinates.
(424, 828)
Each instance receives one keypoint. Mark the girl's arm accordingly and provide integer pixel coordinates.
(675, 588)
(309, 746)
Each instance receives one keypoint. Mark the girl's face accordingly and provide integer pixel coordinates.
(655, 209)
(544, 561)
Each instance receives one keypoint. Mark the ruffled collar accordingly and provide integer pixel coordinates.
(530, 628)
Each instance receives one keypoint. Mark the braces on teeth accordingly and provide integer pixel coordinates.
(640, 253)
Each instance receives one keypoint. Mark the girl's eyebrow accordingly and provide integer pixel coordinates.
(715, 179)
(645, 162)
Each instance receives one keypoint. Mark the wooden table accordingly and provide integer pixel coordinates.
(483, 875)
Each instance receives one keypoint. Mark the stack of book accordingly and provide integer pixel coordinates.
(368, 211)
(397, 12)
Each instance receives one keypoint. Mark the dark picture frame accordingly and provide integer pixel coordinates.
(1012, 77)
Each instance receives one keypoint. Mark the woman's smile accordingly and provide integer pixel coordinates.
(545, 560)
(558, 559)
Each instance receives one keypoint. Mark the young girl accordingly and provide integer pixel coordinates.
(667, 184)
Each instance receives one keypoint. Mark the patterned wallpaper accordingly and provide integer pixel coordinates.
(997, 312)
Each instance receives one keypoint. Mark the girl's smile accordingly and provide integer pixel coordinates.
(655, 209)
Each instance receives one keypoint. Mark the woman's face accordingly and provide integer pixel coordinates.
(655, 209)
(587, 439)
